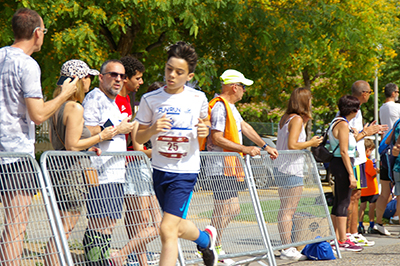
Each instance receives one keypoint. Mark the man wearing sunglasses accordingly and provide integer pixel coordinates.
(104, 202)
(224, 138)
(21, 107)
(361, 90)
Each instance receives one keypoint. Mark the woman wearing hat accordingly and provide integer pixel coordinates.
(68, 133)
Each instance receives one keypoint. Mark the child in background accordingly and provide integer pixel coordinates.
(371, 192)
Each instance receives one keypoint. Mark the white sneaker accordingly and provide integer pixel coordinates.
(360, 240)
(292, 254)
(394, 220)
(382, 230)
(224, 261)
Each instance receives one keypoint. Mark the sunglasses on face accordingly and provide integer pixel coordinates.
(368, 92)
(115, 75)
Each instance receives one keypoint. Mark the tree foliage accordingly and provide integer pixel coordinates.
(281, 44)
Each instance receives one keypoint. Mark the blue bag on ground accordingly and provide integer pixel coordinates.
(318, 251)
(390, 209)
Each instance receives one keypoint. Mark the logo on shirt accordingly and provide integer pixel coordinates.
(123, 108)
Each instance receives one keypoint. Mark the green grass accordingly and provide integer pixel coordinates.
(247, 210)
(305, 205)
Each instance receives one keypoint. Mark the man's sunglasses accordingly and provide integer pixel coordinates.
(115, 75)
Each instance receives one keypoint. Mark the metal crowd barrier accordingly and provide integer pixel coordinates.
(79, 179)
(26, 222)
(250, 202)
(224, 198)
(292, 199)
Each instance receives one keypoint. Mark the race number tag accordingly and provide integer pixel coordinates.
(173, 147)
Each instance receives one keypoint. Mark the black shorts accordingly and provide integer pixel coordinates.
(370, 199)
(384, 174)
(226, 187)
(19, 175)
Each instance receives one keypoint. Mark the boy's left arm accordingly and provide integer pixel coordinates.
(203, 128)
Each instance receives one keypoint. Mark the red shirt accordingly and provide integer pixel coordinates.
(124, 105)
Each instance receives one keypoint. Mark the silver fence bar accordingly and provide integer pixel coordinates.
(26, 217)
(105, 207)
(292, 199)
(223, 199)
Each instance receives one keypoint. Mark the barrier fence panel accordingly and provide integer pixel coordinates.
(292, 199)
(94, 197)
(223, 199)
(26, 221)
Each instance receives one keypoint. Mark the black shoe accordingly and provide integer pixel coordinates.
(361, 230)
(210, 256)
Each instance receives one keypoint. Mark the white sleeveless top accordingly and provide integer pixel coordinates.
(289, 164)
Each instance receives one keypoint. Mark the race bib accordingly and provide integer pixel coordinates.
(173, 147)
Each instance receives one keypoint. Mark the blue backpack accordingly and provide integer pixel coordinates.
(319, 251)
(385, 151)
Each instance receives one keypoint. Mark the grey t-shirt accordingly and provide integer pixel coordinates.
(19, 79)
(218, 121)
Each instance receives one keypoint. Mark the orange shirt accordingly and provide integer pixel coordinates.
(372, 183)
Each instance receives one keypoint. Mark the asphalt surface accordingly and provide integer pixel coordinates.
(385, 252)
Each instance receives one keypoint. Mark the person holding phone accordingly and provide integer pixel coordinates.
(67, 132)
(292, 136)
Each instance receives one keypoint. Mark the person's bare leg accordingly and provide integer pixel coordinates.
(69, 220)
(172, 228)
(382, 200)
(16, 215)
(352, 214)
(361, 211)
(224, 212)
(139, 228)
(289, 198)
(371, 213)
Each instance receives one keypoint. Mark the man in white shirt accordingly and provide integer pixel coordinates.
(362, 90)
(389, 113)
(21, 107)
(104, 202)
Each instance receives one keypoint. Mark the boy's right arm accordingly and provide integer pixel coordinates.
(145, 132)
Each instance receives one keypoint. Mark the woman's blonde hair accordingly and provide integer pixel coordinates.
(79, 95)
(299, 102)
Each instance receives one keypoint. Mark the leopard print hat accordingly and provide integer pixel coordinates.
(77, 68)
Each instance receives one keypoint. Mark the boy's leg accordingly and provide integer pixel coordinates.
(173, 227)
(371, 212)
(361, 211)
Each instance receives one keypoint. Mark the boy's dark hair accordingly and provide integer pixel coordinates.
(132, 65)
(186, 52)
(155, 86)
(369, 144)
(104, 65)
(23, 22)
(348, 104)
(389, 89)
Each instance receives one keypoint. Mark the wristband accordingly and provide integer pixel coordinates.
(101, 139)
(263, 147)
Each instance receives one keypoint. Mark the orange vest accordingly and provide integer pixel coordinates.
(232, 166)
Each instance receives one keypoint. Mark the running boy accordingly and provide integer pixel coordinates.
(173, 118)
(370, 193)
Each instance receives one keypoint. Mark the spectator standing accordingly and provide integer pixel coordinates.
(292, 136)
(174, 117)
(227, 127)
(21, 107)
(104, 202)
(369, 194)
(140, 201)
(67, 132)
(389, 113)
(341, 166)
(362, 91)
